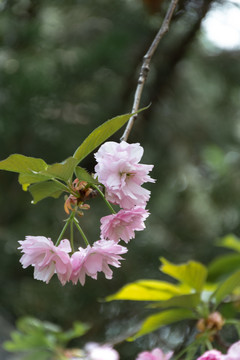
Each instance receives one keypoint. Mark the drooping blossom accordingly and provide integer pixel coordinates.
(91, 260)
(123, 224)
(155, 354)
(233, 352)
(211, 355)
(118, 169)
(95, 351)
(46, 258)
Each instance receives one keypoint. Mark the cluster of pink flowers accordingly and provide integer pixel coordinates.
(118, 169)
(232, 354)
(47, 259)
(94, 351)
(105, 352)
(155, 354)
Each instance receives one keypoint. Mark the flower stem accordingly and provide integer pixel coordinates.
(70, 219)
(209, 345)
(81, 231)
(103, 197)
(71, 236)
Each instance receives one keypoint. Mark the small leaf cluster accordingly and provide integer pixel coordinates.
(40, 340)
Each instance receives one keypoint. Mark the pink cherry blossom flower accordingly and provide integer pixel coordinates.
(233, 352)
(211, 355)
(91, 260)
(155, 354)
(101, 352)
(123, 224)
(46, 258)
(118, 169)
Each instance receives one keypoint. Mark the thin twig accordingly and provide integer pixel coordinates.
(145, 67)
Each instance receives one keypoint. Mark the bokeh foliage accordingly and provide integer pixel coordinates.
(66, 67)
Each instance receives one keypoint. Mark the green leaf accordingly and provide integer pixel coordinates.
(33, 170)
(31, 335)
(23, 342)
(83, 175)
(226, 287)
(42, 190)
(35, 337)
(146, 290)
(223, 265)
(163, 318)
(78, 330)
(27, 179)
(191, 273)
(63, 170)
(189, 301)
(28, 324)
(100, 134)
(230, 241)
(23, 164)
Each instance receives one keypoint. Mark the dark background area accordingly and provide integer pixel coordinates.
(66, 67)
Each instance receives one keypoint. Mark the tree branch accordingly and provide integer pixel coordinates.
(145, 67)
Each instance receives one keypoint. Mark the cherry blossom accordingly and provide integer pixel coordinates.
(91, 260)
(118, 169)
(101, 352)
(233, 352)
(155, 354)
(46, 258)
(211, 355)
(123, 224)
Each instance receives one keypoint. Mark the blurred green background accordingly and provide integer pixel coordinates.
(66, 66)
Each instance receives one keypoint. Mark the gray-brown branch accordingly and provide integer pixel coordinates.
(146, 65)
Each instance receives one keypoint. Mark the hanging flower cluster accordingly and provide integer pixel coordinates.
(119, 178)
(232, 354)
(155, 354)
(94, 351)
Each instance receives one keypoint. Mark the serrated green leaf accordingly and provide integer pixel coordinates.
(230, 241)
(163, 318)
(191, 273)
(63, 170)
(45, 189)
(83, 175)
(226, 287)
(100, 134)
(189, 301)
(23, 164)
(146, 290)
(223, 265)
